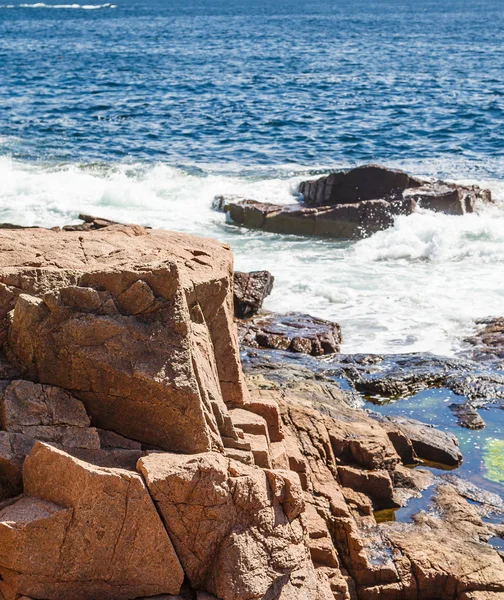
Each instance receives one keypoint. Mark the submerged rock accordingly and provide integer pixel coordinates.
(295, 332)
(467, 416)
(353, 204)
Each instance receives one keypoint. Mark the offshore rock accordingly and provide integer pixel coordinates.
(250, 290)
(372, 182)
(353, 204)
(135, 324)
(295, 332)
(83, 532)
(341, 221)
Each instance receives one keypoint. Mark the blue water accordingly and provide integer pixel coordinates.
(143, 110)
(258, 82)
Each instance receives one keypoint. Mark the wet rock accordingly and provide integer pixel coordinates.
(488, 342)
(372, 182)
(353, 204)
(90, 223)
(295, 332)
(250, 290)
(428, 442)
(488, 502)
(341, 221)
(83, 532)
(467, 416)
(369, 182)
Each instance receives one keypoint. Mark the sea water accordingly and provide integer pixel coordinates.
(143, 110)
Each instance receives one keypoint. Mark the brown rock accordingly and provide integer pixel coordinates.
(375, 484)
(97, 534)
(13, 449)
(353, 204)
(230, 529)
(137, 325)
(430, 443)
(250, 290)
(373, 182)
(112, 440)
(46, 413)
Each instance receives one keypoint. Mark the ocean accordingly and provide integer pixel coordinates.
(144, 110)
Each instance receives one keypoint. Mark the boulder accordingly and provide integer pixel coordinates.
(136, 324)
(235, 528)
(339, 221)
(369, 182)
(90, 223)
(467, 415)
(83, 532)
(250, 290)
(373, 182)
(295, 332)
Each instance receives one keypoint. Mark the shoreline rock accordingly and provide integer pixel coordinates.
(247, 486)
(250, 290)
(294, 332)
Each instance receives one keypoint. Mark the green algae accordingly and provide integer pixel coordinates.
(493, 457)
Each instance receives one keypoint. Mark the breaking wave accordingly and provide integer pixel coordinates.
(418, 286)
(60, 6)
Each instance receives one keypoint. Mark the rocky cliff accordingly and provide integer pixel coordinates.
(136, 459)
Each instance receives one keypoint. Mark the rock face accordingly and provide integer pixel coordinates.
(135, 463)
(353, 203)
(250, 290)
(234, 516)
(295, 332)
(137, 325)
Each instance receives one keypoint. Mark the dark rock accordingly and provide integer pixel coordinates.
(372, 182)
(467, 416)
(369, 182)
(352, 204)
(295, 332)
(90, 223)
(429, 443)
(250, 290)
(488, 343)
(341, 221)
